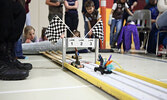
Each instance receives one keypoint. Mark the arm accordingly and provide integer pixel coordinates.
(112, 11)
(134, 4)
(71, 7)
(98, 19)
(89, 26)
(153, 20)
(52, 3)
(129, 12)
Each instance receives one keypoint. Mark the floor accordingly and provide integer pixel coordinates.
(48, 81)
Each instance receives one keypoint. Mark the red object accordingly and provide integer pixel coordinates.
(103, 14)
(109, 3)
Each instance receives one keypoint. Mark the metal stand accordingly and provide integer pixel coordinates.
(79, 42)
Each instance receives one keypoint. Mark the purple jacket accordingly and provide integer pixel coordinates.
(126, 37)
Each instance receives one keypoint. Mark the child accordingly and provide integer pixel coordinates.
(116, 16)
(96, 3)
(43, 35)
(29, 35)
(92, 15)
(71, 15)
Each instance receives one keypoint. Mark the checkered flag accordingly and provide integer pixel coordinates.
(97, 30)
(55, 29)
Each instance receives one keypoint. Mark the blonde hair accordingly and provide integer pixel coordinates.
(27, 29)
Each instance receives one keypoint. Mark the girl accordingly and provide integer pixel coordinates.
(29, 35)
(116, 19)
(71, 15)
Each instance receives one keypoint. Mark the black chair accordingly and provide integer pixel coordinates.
(142, 19)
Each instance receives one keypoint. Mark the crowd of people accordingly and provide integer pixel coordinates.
(17, 12)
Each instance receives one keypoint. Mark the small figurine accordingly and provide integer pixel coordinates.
(77, 62)
(105, 66)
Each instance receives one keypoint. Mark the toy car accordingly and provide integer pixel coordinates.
(105, 66)
(77, 63)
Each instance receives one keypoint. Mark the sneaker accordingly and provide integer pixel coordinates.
(160, 49)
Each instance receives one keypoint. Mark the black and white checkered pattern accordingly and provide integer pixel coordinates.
(97, 30)
(55, 29)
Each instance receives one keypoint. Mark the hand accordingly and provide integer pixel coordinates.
(57, 4)
(28, 41)
(90, 33)
(132, 7)
(62, 36)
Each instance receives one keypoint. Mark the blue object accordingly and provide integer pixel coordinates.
(18, 49)
(110, 67)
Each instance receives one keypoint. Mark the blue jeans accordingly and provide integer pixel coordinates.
(18, 48)
(118, 24)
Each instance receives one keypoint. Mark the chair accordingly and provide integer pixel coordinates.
(161, 24)
(142, 18)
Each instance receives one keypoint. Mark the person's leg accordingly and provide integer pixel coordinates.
(124, 19)
(74, 24)
(68, 22)
(165, 40)
(152, 39)
(50, 17)
(18, 50)
(151, 42)
(7, 70)
(19, 17)
(162, 38)
(112, 27)
(118, 29)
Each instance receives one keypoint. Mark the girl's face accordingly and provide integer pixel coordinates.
(31, 34)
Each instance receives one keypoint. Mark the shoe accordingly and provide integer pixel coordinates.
(22, 66)
(11, 73)
(160, 48)
(11, 57)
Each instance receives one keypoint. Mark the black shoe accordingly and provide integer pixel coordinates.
(22, 66)
(12, 58)
(10, 73)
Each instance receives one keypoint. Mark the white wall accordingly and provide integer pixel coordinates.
(39, 16)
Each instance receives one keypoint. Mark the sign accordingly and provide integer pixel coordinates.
(81, 42)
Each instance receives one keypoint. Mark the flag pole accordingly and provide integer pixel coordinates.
(92, 28)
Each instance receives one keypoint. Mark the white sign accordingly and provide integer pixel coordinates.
(81, 42)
